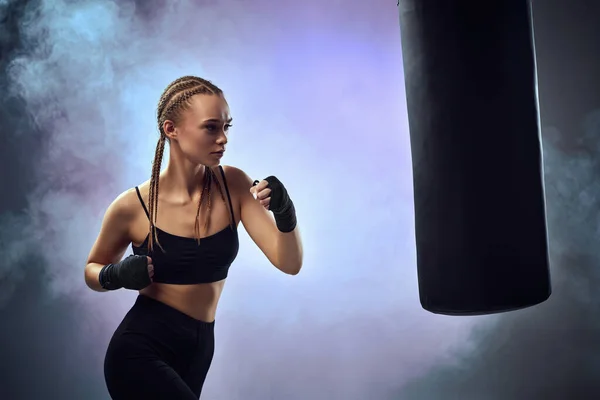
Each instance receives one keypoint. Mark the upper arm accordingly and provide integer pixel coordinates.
(258, 222)
(114, 236)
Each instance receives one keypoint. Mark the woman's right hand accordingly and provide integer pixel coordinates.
(134, 272)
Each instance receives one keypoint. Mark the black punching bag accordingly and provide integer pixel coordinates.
(480, 219)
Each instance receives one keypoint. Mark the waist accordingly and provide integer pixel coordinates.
(198, 301)
(187, 274)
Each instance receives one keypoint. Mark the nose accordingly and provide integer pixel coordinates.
(222, 139)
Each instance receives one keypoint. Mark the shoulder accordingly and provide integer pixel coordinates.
(236, 178)
(127, 204)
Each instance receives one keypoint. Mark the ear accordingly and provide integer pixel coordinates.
(169, 129)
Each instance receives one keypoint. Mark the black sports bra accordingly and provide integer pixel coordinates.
(183, 261)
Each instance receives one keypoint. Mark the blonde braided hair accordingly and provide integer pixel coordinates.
(173, 101)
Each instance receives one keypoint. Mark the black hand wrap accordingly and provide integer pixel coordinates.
(281, 205)
(130, 273)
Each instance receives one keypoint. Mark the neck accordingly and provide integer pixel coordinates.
(183, 179)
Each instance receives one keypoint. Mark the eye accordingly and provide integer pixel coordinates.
(213, 128)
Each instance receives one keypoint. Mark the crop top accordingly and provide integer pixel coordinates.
(184, 261)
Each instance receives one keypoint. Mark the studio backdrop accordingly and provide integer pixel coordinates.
(317, 93)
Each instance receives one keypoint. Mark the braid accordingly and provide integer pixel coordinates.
(153, 195)
(205, 189)
(173, 90)
(232, 222)
(173, 101)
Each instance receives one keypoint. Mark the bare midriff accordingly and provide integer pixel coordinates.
(198, 301)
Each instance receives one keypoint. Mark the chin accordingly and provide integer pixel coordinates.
(212, 163)
(209, 161)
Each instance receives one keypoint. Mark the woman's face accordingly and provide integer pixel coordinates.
(201, 130)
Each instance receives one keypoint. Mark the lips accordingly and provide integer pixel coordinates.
(218, 152)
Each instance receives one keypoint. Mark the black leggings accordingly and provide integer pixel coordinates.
(158, 353)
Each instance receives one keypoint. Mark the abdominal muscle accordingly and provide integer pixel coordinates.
(197, 301)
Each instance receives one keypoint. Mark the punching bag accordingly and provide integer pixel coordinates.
(480, 218)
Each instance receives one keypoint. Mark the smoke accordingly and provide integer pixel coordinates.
(551, 351)
(52, 74)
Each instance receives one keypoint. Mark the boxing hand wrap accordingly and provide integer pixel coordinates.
(130, 273)
(281, 205)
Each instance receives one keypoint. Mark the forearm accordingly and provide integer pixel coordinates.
(289, 251)
(92, 272)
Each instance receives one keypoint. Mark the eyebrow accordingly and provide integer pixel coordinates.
(218, 120)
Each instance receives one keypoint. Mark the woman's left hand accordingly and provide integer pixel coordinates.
(262, 193)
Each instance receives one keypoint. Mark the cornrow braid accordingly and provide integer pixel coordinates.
(153, 195)
(168, 96)
(206, 189)
(209, 177)
(173, 101)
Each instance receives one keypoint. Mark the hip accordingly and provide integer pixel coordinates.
(153, 333)
(156, 327)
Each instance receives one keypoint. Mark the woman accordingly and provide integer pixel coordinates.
(164, 346)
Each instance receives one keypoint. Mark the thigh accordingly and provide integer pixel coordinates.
(195, 376)
(134, 371)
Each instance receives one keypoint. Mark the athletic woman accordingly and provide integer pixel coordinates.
(184, 239)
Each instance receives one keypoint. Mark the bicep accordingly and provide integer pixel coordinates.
(258, 222)
(113, 238)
